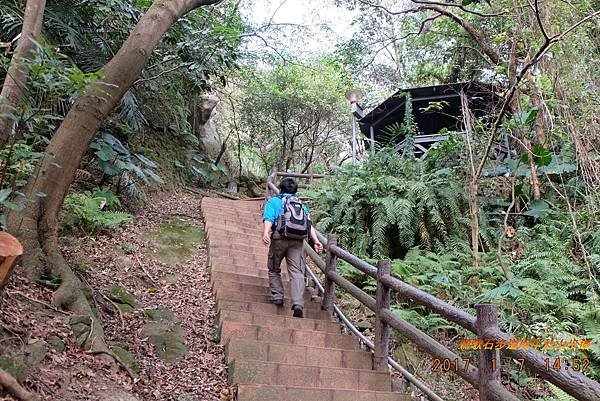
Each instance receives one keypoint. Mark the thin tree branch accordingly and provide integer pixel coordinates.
(463, 8)
(538, 17)
(540, 53)
(162, 73)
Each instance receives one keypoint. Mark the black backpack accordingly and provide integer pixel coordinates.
(293, 223)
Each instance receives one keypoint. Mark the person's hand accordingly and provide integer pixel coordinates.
(266, 238)
(318, 246)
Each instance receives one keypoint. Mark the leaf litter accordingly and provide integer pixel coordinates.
(125, 259)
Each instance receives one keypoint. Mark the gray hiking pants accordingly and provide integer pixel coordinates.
(291, 250)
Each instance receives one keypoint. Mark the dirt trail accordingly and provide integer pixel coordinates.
(175, 280)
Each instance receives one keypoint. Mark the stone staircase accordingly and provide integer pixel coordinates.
(272, 356)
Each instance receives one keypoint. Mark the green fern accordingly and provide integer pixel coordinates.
(559, 395)
(395, 201)
(86, 212)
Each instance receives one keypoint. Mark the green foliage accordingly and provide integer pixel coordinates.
(89, 212)
(205, 170)
(559, 395)
(293, 113)
(389, 205)
(405, 132)
(114, 159)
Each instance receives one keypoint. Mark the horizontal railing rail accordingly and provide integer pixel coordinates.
(486, 376)
(363, 339)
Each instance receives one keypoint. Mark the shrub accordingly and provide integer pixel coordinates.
(88, 212)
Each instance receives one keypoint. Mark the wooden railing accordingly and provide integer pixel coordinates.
(486, 375)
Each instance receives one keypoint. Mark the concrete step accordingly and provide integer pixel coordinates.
(253, 297)
(246, 217)
(241, 247)
(257, 265)
(261, 272)
(241, 349)
(310, 312)
(281, 374)
(233, 222)
(229, 250)
(231, 206)
(239, 257)
(247, 288)
(239, 278)
(234, 227)
(260, 392)
(228, 330)
(231, 232)
(238, 261)
(288, 322)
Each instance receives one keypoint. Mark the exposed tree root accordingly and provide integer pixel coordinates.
(37, 301)
(119, 361)
(13, 387)
(70, 296)
(40, 241)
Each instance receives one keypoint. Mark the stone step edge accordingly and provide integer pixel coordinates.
(284, 365)
(217, 300)
(365, 351)
(329, 393)
(271, 315)
(219, 330)
(360, 351)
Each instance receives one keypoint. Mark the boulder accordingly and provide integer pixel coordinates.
(120, 295)
(35, 353)
(165, 335)
(127, 358)
(56, 343)
(15, 367)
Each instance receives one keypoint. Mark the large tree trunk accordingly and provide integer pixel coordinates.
(17, 74)
(37, 225)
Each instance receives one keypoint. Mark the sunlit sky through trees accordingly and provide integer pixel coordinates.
(324, 24)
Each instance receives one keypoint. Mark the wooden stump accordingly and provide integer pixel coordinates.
(10, 250)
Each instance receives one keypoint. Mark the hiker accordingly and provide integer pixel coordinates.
(287, 225)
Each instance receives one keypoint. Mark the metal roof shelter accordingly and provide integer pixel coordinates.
(481, 97)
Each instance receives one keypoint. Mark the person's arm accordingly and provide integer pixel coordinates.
(313, 235)
(269, 216)
(267, 232)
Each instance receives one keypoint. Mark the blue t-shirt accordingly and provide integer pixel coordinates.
(274, 208)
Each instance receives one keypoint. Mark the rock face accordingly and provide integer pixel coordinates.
(127, 358)
(204, 126)
(166, 336)
(123, 298)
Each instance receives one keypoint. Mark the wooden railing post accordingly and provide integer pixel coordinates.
(330, 266)
(382, 330)
(489, 359)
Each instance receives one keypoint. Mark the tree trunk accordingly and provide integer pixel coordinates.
(310, 159)
(18, 72)
(534, 179)
(474, 212)
(37, 225)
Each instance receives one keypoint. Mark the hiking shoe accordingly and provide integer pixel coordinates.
(278, 302)
(298, 310)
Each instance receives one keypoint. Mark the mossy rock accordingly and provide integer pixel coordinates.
(124, 308)
(56, 343)
(127, 358)
(15, 367)
(81, 325)
(161, 315)
(121, 296)
(174, 241)
(35, 353)
(172, 278)
(167, 339)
